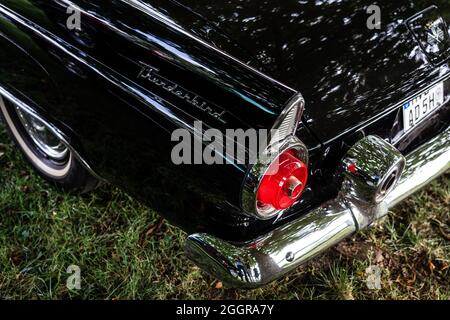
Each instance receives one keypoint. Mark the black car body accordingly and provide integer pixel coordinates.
(116, 88)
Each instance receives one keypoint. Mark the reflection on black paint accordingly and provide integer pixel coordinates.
(122, 124)
(347, 73)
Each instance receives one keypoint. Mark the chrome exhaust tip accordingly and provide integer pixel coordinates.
(372, 169)
(388, 184)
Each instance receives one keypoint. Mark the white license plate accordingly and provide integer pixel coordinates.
(420, 107)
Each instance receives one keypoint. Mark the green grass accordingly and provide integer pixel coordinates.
(126, 252)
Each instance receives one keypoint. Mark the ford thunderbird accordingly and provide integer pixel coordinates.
(267, 130)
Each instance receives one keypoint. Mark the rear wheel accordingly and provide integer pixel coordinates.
(45, 151)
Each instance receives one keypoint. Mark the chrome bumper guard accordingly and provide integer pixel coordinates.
(267, 258)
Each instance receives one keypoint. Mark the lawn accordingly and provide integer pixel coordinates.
(125, 251)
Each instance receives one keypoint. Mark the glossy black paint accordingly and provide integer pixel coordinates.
(347, 73)
(90, 83)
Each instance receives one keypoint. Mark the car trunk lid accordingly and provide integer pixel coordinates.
(349, 72)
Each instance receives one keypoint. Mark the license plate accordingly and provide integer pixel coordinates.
(421, 106)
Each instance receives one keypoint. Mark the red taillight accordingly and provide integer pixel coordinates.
(285, 186)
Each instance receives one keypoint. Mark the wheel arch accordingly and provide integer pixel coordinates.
(26, 83)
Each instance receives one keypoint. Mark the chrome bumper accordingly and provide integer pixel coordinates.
(258, 262)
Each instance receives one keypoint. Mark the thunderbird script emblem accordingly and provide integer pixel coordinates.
(432, 33)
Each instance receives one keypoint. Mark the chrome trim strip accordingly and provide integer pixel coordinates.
(147, 9)
(29, 110)
(260, 261)
(89, 62)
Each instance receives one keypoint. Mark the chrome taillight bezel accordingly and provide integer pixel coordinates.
(281, 139)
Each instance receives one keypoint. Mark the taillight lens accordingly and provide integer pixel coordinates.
(284, 182)
(276, 181)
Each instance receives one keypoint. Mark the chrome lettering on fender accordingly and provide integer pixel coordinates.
(150, 74)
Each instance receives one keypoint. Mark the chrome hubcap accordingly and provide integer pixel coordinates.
(42, 136)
